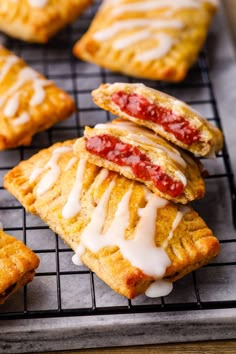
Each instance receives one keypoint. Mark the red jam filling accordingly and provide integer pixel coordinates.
(139, 107)
(114, 150)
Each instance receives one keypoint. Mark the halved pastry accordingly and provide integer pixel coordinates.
(17, 265)
(38, 20)
(167, 116)
(131, 238)
(139, 154)
(29, 103)
(152, 39)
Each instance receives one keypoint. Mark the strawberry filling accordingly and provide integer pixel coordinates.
(139, 107)
(123, 154)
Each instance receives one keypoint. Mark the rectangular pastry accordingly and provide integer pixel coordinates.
(166, 115)
(38, 20)
(17, 265)
(138, 153)
(132, 239)
(152, 39)
(29, 103)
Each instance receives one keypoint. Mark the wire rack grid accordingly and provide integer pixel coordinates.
(62, 289)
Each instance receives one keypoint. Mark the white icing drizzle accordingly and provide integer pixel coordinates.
(140, 251)
(9, 62)
(146, 28)
(12, 106)
(12, 96)
(72, 206)
(155, 5)
(35, 3)
(132, 39)
(38, 3)
(166, 42)
(182, 211)
(76, 258)
(53, 172)
(22, 119)
(71, 162)
(159, 288)
(122, 25)
(39, 92)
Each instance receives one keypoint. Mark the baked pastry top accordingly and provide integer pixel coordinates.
(138, 153)
(29, 103)
(38, 20)
(17, 265)
(152, 39)
(166, 115)
(131, 238)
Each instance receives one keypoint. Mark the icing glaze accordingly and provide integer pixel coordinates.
(159, 288)
(72, 206)
(11, 98)
(140, 251)
(53, 171)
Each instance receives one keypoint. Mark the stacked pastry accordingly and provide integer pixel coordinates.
(117, 195)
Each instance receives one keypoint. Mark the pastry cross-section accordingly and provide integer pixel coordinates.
(127, 235)
(137, 153)
(29, 103)
(152, 39)
(38, 20)
(167, 116)
(17, 265)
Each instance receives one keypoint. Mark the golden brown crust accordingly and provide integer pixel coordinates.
(195, 186)
(113, 50)
(55, 104)
(192, 244)
(34, 24)
(17, 265)
(211, 138)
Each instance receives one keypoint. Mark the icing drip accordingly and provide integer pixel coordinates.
(182, 211)
(122, 25)
(72, 206)
(166, 42)
(23, 118)
(156, 5)
(140, 251)
(12, 106)
(52, 174)
(11, 60)
(159, 288)
(38, 3)
(35, 3)
(71, 162)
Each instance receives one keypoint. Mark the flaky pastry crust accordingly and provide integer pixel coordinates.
(31, 23)
(29, 103)
(210, 139)
(161, 154)
(155, 40)
(191, 245)
(17, 265)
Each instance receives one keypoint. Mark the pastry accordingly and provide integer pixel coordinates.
(131, 238)
(152, 39)
(17, 265)
(38, 20)
(139, 154)
(29, 103)
(167, 116)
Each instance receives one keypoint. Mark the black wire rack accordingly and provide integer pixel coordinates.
(212, 287)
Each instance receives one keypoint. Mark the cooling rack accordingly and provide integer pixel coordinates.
(62, 289)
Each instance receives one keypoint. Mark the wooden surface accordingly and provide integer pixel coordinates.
(221, 347)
